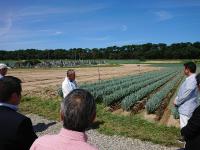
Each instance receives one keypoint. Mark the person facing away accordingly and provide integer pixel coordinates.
(191, 132)
(16, 131)
(78, 111)
(3, 70)
(187, 98)
(69, 83)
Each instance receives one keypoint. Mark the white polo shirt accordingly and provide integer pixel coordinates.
(68, 86)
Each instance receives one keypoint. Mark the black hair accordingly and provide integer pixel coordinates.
(8, 86)
(191, 66)
(79, 109)
(198, 79)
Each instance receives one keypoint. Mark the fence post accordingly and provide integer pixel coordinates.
(99, 74)
(139, 69)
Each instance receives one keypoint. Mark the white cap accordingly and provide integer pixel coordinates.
(2, 66)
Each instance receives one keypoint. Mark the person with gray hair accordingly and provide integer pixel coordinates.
(78, 111)
(69, 84)
(3, 70)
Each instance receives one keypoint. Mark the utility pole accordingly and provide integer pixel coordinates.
(99, 74)
(48, 54)
(139, 69)
(75, 54)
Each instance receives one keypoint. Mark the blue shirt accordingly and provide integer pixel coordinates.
(187, 97)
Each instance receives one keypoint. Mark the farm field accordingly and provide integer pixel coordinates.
(123, 90)
(145, 94)
(125, 100)
(134, 57)
(34, 79)
(124, 94)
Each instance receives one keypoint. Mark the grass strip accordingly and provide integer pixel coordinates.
(108, 123)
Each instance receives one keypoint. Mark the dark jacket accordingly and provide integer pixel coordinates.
(191, 131)
(16, 131)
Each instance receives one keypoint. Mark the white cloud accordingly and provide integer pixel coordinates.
(7, 24)
(96, 38)
(45, 11)
(50, 32)
(24, 34)
(124, 28)
(163, 15)
(126, 42)
(36, 14)
(58, 32)
(179, 4)
(44, 30)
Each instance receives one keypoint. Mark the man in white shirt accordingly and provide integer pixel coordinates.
(3, 70)
(187, 97)
(69, 84)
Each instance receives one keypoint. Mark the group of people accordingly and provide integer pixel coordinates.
(78, 111)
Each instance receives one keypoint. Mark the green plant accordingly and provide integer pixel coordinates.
(154, 102)
(132, 99)
(123, 92)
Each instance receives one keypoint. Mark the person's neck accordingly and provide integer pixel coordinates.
(190, 74)
(73, 130)
(70, 80)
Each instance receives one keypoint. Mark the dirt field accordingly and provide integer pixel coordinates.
(45, 82)
(163, 62)
(36, 79)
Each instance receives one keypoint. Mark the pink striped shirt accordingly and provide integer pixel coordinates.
(65, 140)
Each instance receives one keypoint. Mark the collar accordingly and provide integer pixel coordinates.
(14, 107)
(73, 135)
(69, 80)
(191, 76)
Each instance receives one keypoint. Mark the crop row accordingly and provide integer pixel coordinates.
(155, 101)
(133, 98)
(116, 81)
(123, 92)
(114, 87)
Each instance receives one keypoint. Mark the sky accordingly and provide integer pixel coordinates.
(52, 24)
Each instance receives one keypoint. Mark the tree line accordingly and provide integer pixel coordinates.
(143, 51)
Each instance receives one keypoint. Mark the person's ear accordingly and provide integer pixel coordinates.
(15, 99)
(93, 117)
(61, 115)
